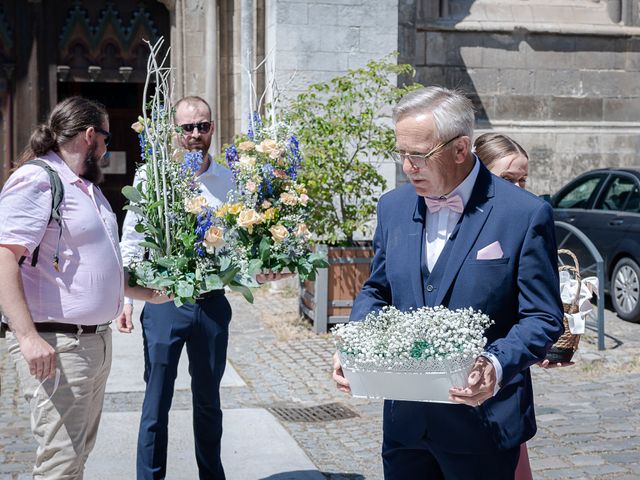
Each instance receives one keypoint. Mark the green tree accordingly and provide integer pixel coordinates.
(344, 129)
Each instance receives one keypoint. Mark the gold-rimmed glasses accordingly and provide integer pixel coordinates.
(419, 160)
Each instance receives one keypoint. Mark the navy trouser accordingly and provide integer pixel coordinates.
(204, 327)
(408, 452)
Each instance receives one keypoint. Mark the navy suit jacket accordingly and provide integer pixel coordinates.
(518, 291)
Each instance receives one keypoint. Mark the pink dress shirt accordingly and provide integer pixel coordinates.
(89, 287)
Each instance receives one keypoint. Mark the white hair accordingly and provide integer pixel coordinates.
(451, 109)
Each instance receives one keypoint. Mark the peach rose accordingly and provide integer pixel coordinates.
(280, 174)
(248, 218)
(246, 161)
(267, 146)
(213, 239)
(251, 186)
(279, 232)
(137, 127)
(302, 231)
(303, 199)
(246, 146)
(288, 199)
(266, 204)
(196, 204)
(276, 153)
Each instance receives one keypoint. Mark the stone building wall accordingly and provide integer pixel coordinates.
(561, 76)
(320, 39)
(313, 41)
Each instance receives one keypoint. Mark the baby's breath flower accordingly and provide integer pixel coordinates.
(391, 338)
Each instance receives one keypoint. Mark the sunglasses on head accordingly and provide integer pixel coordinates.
(203, 127)
(107, 135)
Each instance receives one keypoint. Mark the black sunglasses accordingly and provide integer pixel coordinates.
(107, 135)
(203, 127)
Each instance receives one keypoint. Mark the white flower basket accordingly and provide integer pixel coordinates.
(428, 382)
(415, 355)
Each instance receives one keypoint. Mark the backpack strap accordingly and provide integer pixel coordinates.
(57, 194)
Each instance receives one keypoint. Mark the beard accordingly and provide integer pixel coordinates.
(192, 144)
(92, 164)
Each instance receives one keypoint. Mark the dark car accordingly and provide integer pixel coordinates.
(605, 205)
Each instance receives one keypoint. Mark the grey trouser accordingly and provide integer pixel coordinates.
(66, 427)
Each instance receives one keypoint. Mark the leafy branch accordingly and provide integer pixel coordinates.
(345, 128)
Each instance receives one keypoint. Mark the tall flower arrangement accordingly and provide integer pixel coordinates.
(266, 216)
(185, 251)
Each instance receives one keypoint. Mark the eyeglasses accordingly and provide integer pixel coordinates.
(415, 158)
(203, 127)
(107, 135)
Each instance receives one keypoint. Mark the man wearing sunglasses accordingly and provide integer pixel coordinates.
(203, 328)
(62, 282)
(459, 237)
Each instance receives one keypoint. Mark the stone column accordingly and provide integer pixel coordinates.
(212, 72)
(176, 32)
(246, 59)
(629, 12)
(32, 100)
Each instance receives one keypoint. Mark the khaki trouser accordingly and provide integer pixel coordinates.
(66, 427)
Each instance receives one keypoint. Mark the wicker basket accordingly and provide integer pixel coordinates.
(567, 344)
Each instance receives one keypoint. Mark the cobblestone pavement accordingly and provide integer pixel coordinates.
(588, 414)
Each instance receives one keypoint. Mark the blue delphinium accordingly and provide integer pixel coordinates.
(255, 125)
(192, 162)
(145, 149)
(231, 154)
(295, 157)
(204, 222)
(267, 169)
(250, 132)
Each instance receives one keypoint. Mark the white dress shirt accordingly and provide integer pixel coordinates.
(440, 226)
(215, 184)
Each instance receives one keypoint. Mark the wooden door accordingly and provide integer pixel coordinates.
(123, 102)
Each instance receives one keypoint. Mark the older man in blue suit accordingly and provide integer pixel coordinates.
(459, 237)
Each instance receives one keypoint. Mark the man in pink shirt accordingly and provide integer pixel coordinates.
(61, 284)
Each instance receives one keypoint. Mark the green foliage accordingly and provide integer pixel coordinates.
(176, 259)
(184, 252)
(341, 127)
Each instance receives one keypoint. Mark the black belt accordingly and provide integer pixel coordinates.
(211, 294)
(54, 327)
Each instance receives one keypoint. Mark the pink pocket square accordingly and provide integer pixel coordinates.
(490, 252)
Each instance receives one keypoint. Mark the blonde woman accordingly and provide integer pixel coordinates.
(505, 158)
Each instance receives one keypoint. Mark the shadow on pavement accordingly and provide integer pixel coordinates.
(616, 342)
(343, 476)
(312, 474)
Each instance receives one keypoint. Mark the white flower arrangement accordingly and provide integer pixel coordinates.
(415, 340)
(416, 355)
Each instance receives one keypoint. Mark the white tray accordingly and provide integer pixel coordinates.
(418, 387)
